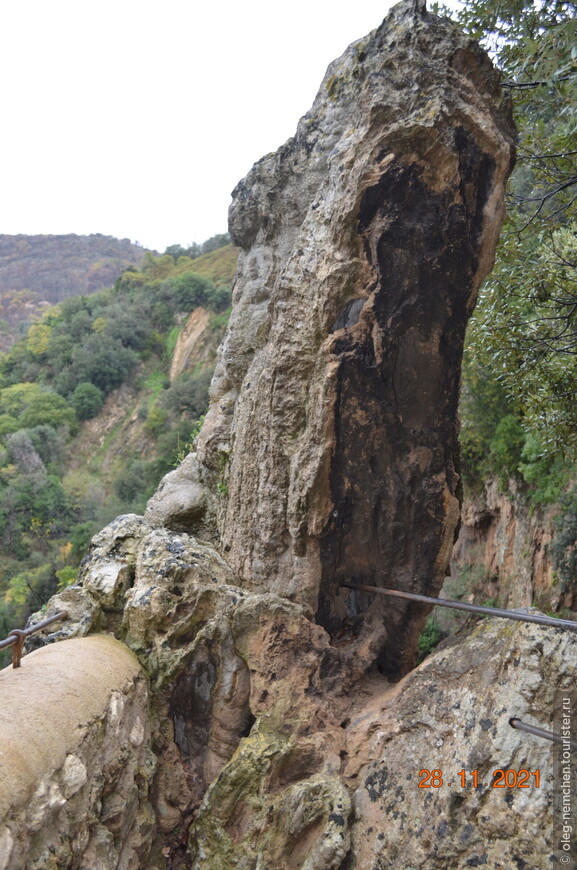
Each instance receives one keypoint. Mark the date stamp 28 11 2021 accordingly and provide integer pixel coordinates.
(500, 779)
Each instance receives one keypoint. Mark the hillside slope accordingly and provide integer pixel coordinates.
(56, 267)
(43, 269)
(97, 402)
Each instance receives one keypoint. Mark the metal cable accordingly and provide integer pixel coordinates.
(470, 608)
(539, 732)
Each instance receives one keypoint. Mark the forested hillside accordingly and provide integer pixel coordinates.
(36, 271)
(93, 413)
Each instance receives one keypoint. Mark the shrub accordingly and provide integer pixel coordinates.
(8, 425)
(103, 362)
(505, 448)
(430, 637)
(87, 400)
(188, 394)
(155, 422)
(50, 409)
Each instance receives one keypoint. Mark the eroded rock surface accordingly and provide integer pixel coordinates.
(75, 765)
(332, 429)
(328, 454)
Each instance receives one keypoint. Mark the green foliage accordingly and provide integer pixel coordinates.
(134, 481)
(66, 577)
(50, 444)
(103, 362)
(188, 394)
(177, 252)
(518, 401)
(188, 291)
(546, 473)
(16, 398)
(8, 424)
(187, 445)
(60, 373)
(506, 448)
(50, 409)
(80, 536)
(87, 400)
(156, 421)
(524, 330)
(430, 638)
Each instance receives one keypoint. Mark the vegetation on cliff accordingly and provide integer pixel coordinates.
(520, 415)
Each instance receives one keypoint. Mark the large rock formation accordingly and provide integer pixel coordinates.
(268, 745)
(329, 454)
(332, 430)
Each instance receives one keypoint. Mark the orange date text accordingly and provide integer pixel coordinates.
(501, 779)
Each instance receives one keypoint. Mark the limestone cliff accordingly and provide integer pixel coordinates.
(281, 731)
(332, 430)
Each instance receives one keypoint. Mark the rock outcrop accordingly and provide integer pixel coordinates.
(332, 430)
(273, 744)
(281, 734)
(504, 551)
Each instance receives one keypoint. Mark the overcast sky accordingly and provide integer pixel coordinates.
(136, 119)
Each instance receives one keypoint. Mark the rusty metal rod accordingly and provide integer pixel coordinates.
(17, 636)
(470, 608)
(539, 732)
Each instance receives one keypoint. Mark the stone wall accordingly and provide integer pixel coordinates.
(75, 763)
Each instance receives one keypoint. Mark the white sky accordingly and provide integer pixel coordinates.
(136, 119)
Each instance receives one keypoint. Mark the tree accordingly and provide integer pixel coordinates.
(103, 362)
(87, 400)
(24, 456)
(525, 328)
(215, 242)
(50, 409)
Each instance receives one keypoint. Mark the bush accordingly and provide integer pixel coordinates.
(546, 474)
(136, 482)
(186, 292)
(188, 394)
(87, 400)
(103, 362)
(8, 425)
(430, 637)
(155, 422)
(50, 409)
(129, 326)
(506, 447)
(48, 443)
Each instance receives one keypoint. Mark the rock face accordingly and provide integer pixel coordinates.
(452, 714)
(328, 454)
(332, 429)
(504, 551)
(268, 745)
